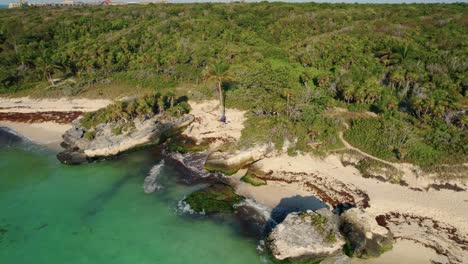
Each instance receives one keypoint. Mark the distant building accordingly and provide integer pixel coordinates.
(78, 3)
(17, 4)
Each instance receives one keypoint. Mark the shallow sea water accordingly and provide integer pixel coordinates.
(99, 213)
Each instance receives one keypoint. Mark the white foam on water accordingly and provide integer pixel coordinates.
(261, 246)
(150, 184)
(194, 163)
(262, 209)
(184, 208)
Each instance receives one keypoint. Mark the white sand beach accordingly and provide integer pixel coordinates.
(45, 133)
(30, 105)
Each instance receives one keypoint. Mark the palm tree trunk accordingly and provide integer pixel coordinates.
(221, 101)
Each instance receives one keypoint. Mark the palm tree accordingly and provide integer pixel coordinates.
(219, 72)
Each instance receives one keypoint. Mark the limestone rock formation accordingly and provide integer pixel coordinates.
(230, 162)
(105, 142)
(311, 235)
(365, 237)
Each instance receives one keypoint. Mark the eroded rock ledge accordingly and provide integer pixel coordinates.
(309, 234)
(106, 143)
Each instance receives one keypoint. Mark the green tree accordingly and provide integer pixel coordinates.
(219, 72)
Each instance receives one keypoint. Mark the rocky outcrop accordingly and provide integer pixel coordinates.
(217, 198)
(230, 162)
(312, 235)
(8, 136)
(365, 238)
(103, 141)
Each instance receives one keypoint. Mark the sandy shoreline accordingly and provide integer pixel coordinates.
(48, 134)
(409, 211)
(29, 105)
(43, 121)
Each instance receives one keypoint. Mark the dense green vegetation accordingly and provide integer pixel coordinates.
(285, 63)
(123, 112)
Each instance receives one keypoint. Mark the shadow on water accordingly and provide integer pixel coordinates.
(295, 203)
(99, 201)
(139, 162)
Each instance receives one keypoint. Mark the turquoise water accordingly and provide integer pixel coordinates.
(99, 213)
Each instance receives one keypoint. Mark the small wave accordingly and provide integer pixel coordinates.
(263, 210)
(150, 184)
(184, 208)
(261, 246)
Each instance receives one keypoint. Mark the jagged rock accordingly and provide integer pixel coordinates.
(365, 237)
(106, 143)
(311, 235)
(72, 135)
(230, 162)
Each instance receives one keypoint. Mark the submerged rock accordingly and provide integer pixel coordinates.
(8, 136)
(217, 198)
(365, 237)
(311, 235)
(71, 157)
(102, 141)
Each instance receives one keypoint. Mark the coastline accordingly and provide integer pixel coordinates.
(416, 211)
(43, 121)
(400, 206)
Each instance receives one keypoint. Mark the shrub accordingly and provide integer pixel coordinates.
(89, 135)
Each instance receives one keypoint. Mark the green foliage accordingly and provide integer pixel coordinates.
(253, 180)
(348, 249)
(126, 127)
(218, 198)
(396, 139)
(184, 144)
(125, 112)
(330, 238)
(317, 220)
(89, 135)
(288, 63)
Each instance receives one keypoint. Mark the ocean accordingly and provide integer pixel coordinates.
(99, 213)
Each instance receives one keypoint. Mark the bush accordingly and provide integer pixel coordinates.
(89, 135)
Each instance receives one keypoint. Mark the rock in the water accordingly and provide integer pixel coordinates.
(254, 218)
(218, 198)
(102, 141)
(230, 162)
(311, 235)
(365, 237)
(72, 157)
(8, 136)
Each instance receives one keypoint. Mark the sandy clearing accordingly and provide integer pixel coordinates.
(207, 126)
(29, 105)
